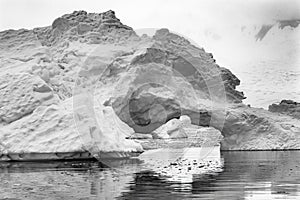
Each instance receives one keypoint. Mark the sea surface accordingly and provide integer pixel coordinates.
(245, 175)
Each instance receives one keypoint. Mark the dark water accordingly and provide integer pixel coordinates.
(245, 175)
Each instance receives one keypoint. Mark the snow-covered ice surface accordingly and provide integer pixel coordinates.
(269, 69)
(269, 82)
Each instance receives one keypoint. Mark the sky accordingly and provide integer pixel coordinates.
(15, 14)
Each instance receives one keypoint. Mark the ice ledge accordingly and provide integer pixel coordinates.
(65, 156)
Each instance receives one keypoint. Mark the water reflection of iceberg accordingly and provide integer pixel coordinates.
(183, 165)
